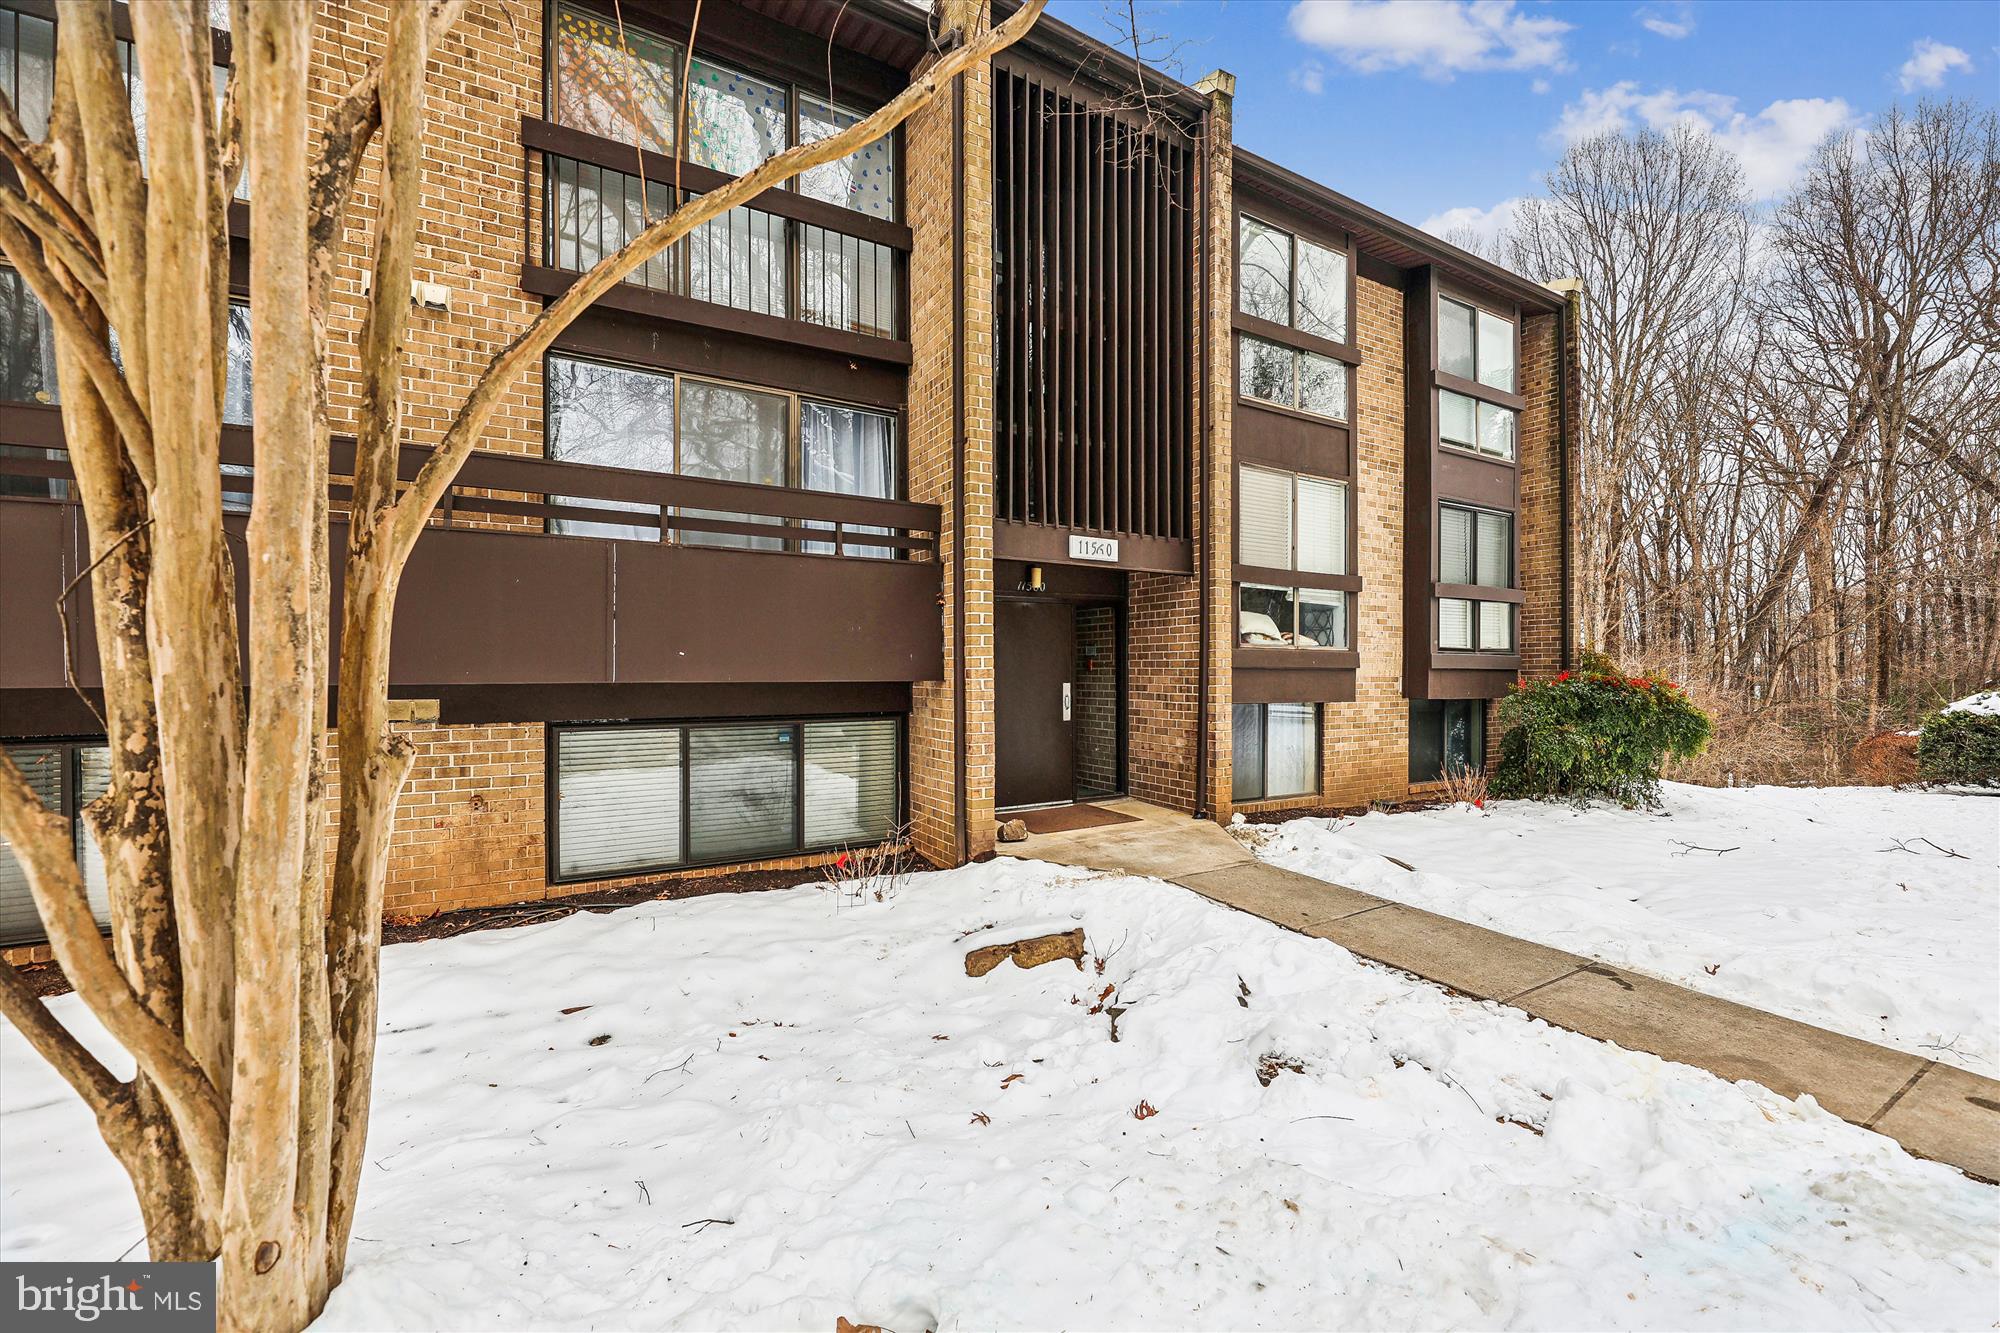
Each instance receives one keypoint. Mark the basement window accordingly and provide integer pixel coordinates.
(1275, 751)
(1446, 736)
(632, 799)
(66, 775)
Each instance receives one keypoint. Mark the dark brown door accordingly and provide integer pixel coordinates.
(1034, 648)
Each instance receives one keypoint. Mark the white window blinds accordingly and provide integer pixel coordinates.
(618, 795)
(1496, 550)
(1454, 623)
(47, 768)
(1322, 511)
(1264, 518)
(740, 802)
(1454, 545)
(850, 781)
(1496, 627)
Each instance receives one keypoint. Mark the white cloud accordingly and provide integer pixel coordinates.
(1439, 39)
(1310, 78)
(1473, 228)
(1539, 86)
(1929, 62)
(1672, 22)
(1773, 144)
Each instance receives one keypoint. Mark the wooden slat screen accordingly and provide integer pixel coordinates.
(1093, 315)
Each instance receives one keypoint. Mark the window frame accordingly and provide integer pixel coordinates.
(552, 804)
(1476, 714)
(1296, 581)
(794, 434)
(1264, 750)
(71, 811)
(1463, 592)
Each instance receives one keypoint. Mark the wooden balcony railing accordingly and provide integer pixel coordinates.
(787, 266)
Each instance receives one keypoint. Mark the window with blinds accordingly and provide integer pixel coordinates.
(1287, 521)
(632, 799)
(66, 776)
(1475, 549)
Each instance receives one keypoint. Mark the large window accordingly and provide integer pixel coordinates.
(1466, 423)
(1446, 736)
(1290, 280)
(1292, 377)
(28, 375)
(634, 799)
(1286, 521)
(67, 776)
(1276, 751)
(1475, 549)
(1475, 344)
(618, 83)
(659, 421)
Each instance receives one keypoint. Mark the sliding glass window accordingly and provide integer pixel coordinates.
(1295, 523)
(1446, 736)
(634, 799)
(66, 776)
(1275, 751)
(1475, 549)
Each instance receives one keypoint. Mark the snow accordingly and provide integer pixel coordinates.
(1985, 703)
(814, 1070)
(1835, 906)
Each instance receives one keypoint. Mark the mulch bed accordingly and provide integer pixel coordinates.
(1337, 811)
(47, 979)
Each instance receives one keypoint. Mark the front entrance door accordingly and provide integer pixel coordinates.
(1034, 655)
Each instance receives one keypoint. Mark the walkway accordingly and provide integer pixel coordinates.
(1934, 1110)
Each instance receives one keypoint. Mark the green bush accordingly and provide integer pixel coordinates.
(1595, 734)
(1961, 748)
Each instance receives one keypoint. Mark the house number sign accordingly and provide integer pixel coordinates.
(1093, 548)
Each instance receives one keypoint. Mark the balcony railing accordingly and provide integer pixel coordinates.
(790, 266)
(712, 581)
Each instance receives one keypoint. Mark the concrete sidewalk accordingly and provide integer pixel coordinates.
(1934, 1110)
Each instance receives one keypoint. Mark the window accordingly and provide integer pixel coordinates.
(1475, 549)
(28, 375)
(1446, 736)
(66, 776)
(633, 799)
(28, 68)
(1276, 751)
(618, 84)
(1289, 280)
(658, 421)
(864, 180)
(1475, 344)
(1292, 377)
(1466, 423)
(1285, 521)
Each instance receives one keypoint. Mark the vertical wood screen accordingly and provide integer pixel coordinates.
(1094, 232)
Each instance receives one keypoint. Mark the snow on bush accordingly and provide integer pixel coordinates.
(1960, 743)
(770, 1111)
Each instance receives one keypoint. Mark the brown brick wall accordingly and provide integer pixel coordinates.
(1540, 519)
(1095, 673)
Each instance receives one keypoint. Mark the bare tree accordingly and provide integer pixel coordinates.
(249, 1009)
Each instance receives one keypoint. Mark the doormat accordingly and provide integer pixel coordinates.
(1066, 818)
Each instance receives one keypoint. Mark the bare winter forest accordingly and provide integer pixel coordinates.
(1789, 465)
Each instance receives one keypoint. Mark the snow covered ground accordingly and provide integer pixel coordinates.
(767, 1111)
(1836, 906)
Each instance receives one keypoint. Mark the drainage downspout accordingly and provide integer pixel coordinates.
(1567, 630)
(1203, 591)
(963, 817)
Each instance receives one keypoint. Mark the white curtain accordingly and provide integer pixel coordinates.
(848, 451)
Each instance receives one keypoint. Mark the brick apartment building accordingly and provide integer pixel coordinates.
(1050, 449)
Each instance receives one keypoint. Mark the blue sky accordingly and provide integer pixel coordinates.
(1422, 108)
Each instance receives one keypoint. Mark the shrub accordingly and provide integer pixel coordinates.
(1595, 733)
(1961, 747)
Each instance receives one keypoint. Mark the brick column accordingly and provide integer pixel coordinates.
(1215, 523)
(951, 441)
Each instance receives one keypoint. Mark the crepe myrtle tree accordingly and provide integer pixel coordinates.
(242, 982)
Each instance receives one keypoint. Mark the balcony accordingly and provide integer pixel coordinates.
(708, 581)
(791, 268)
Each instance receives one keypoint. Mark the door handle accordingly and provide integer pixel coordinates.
(1066, 701)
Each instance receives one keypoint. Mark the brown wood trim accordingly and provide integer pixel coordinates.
(1268, 658)
(552, 282)
(1042, 545)
(1279, 409)
(1483, 392)
(1448, 660)
(466, 705)
(604, 334)
(1478, 592)
(1292, 578)
(548, 137)
(1272, 331)
(1258, 684)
